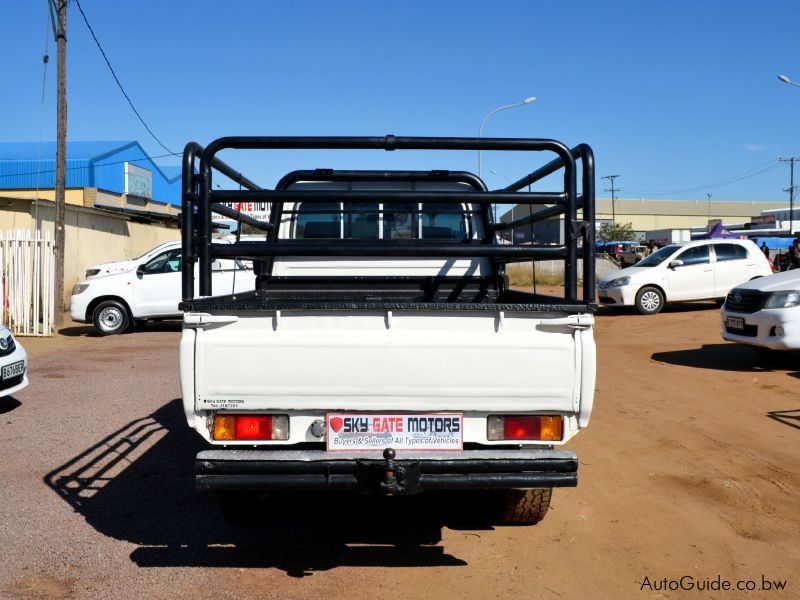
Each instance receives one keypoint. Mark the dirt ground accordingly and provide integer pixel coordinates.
(690, 468)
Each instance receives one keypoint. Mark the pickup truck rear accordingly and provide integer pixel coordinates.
(382, 351)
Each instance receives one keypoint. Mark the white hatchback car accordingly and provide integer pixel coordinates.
(765, 313)
(115, 296)
(698, 270)
(13, 364)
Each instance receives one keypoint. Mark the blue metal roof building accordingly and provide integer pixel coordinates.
(110, 166)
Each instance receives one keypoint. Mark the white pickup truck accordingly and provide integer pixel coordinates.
(116, 296)
(382, 350)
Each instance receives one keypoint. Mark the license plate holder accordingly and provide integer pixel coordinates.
(734, 323)
(372, 431)
(12, 370)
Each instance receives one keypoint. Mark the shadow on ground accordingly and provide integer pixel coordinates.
(89, 330)
(787, 417)
(8, 403)
(728, 357)
(136, 485)
(678, 307)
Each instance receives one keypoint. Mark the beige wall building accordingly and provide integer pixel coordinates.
(100, 226)
(647, 215)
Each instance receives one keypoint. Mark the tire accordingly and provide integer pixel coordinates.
(111, 317)
(649, 300)
(525, 507)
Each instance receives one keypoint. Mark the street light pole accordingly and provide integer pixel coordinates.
(785, 79)
(508, 179)
(709, 205)
(496, 110)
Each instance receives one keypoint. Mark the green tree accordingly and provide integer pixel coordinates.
(620, 232)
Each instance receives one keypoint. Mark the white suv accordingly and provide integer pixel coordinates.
(765, 313)
(698, 270)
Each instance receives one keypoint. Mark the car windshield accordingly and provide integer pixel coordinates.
(659, 256)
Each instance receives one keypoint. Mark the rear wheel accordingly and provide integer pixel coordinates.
(525, 507)
(110, 317)
(649, 300)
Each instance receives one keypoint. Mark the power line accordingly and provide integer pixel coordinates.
(119, 84)
(104, 164)
(755, 171)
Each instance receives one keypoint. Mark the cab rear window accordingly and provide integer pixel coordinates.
(371, 221)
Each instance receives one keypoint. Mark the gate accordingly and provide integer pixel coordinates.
(27, 273)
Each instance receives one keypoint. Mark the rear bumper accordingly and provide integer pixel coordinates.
(369, 473)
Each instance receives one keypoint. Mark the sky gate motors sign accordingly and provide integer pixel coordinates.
(257, 210)
(441, 431)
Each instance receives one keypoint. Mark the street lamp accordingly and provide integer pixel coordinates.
(496, 110)
(508, 179)
(785, 79)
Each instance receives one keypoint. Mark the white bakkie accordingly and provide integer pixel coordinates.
(764, 313)
(378, 356)
(115, 296)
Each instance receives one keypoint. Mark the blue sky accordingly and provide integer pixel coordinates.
(671, 95)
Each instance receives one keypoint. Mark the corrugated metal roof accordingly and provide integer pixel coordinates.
(45, 150)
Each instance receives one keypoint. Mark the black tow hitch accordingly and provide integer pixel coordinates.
(389, 477)
(390, 483)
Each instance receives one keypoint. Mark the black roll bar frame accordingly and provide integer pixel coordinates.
(198, 195)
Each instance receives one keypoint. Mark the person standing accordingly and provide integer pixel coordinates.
(765, 248)
(794, 255)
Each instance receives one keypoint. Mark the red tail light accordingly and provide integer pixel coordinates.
(525, 427)
(229, 427)
(254, 427)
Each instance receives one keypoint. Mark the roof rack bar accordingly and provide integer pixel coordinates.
(321, 196)
(584, 152)
(339, 247)
(189, 199)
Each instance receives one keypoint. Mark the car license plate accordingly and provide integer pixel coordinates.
(13, 370)
(426, 431)
(734, 322)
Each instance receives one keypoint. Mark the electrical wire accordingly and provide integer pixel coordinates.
(119, 84)
(755, 171)
(45, 60)
(104, 164)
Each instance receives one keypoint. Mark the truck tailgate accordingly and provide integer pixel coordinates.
(411, 361)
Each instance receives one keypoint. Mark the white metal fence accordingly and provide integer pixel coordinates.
(27, 274)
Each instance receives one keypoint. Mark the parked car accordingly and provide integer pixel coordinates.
(764, 313)
(13, 364)
(698, 270)
(116, 296)
(632, 255)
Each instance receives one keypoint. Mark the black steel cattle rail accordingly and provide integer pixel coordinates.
(200, 200)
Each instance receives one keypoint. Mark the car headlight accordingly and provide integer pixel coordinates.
(79, 288)
(785, 299)
(92, 272)
(619, 282)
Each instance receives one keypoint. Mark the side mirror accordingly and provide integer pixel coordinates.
(675, 263)
(140, 270)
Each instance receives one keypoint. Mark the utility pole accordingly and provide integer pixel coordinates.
(61, 160)
(791, 189)
(613, 191)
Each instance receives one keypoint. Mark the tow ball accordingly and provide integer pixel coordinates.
(392, 474)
